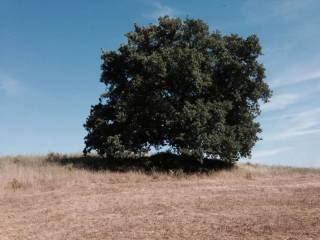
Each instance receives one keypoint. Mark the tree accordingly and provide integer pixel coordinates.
(177, 84)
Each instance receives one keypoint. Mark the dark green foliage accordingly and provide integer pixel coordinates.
(177, 84)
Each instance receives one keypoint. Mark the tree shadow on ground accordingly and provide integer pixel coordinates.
(161, 162)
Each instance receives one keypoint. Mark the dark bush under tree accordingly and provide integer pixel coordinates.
(176, 84)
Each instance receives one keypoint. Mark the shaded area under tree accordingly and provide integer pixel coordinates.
(160, 162)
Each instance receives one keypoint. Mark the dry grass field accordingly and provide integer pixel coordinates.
(40, 199)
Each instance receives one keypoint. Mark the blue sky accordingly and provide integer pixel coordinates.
(50, 68)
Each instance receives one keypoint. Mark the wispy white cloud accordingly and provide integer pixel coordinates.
(281, 101)
(293, 115)
(160, 9)
(10, 86)
(269, 152)
(294, 88)
(291, 51)
(301, 124)
(292, 96)
(295, 76)
(300, 129)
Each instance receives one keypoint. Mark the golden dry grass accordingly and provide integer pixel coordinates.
(44, 200)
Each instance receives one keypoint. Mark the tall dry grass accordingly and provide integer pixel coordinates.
(44, 173)
(29, 173)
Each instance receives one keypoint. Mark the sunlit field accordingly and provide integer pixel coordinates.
(40, 198)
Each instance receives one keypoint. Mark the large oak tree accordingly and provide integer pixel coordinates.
(175, 83)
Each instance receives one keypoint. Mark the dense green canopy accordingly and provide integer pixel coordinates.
(175, 83)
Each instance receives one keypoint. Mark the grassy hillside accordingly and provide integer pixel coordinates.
(46, 198)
